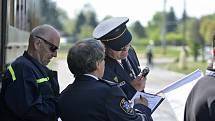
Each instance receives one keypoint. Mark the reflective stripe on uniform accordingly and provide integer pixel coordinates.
(12, 73)
(42, 80)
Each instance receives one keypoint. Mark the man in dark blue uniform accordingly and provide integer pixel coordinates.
(91, 98)
(29, 89)
(200, 104)
(121, 62)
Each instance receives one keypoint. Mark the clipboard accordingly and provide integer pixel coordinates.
(153, 100)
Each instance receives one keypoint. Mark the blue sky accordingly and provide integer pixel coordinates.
(142, 10)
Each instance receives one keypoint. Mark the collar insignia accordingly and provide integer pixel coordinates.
(116, 79)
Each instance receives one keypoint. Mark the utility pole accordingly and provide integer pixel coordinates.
(183, 53)
(184, 23)
(163, 29)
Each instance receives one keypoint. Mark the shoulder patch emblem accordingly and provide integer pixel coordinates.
(126, 106)
(116, 79)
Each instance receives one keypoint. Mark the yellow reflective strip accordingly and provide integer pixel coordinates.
(12, 73)
(42, 80)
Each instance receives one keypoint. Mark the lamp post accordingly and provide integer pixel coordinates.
(183, 54)
(163, 28)
(184, 23)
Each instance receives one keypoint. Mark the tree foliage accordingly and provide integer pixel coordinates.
(85, 22)
(154, 27)
(171, 21)
(51, 14)
(80, 21)
(197, 41)
(207, 28)
(138, 29)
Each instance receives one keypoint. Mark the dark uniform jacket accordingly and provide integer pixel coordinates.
(116, 73)
(29, 91)
(89, 99)
(200, 105)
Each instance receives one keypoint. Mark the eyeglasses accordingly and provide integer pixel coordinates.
(52, 47)
(125, 48)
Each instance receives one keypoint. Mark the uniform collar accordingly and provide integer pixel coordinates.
(26, 55)
(34, 61)
(210, 72)
(92, 76)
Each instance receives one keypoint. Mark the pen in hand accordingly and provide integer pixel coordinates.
(143, 100)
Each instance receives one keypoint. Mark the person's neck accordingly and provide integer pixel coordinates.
(31, 53)
(34, 55)
(111, 56)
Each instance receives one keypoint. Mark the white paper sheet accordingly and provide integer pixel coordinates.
(177, 93)
(153, 100)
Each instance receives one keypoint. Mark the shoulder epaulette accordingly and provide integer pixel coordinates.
(108, 82)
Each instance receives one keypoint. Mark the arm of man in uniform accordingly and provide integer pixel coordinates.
(26, 101)
(119, 109)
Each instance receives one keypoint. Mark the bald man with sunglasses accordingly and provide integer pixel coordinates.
(29, 89)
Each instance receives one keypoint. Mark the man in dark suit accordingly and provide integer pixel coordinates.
(200, 105)
(121, 62)
(90, 98)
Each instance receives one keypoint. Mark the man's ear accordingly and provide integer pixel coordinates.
(97, 64)
(37, 44)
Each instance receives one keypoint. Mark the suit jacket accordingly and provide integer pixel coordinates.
(200, 105)
(89, 99)
(116, 73)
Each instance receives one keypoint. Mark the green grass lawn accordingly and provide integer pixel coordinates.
(190, 67)
(170, 51)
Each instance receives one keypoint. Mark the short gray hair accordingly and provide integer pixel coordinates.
(83, 55)
(44, 30)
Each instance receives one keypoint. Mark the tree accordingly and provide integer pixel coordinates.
(138, 29)
(171, 21)
(85, 23)
(92, 21)
(90, 15)
(154, 27)
(80, 21)
(198, 41)
(207, 28)
(51, 14)
(86, 32)
(68, 26)
(174, 38)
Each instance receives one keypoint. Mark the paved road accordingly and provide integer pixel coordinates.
(156, 80)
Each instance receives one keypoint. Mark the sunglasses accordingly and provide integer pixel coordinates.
(52, 47)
